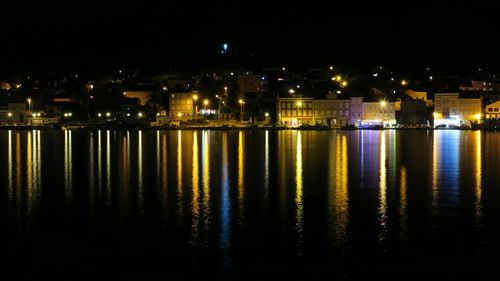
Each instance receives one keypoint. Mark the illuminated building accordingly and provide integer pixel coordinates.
(142, 96)
(416, 95)
(492, 111)
(381, 113)
(182, 105)
(454, 109)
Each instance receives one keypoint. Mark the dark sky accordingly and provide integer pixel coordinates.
(157, 35)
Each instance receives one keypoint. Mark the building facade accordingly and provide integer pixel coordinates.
(454, 109)
(295, 112)
(492, 111)
(330, 112)
(378, 114)
(182, 105)
(416, 95)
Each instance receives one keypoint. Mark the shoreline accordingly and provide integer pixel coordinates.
(201, 128)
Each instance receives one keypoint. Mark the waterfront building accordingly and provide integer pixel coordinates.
(182, 105)
(381, 113)
(492, 111)
(454, 109)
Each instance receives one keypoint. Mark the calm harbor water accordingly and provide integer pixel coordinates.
(323, 205)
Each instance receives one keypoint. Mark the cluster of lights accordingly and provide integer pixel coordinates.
(37, 114)
(68, 114)
(9, 114)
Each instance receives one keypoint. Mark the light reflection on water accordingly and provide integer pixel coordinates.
(217, 185)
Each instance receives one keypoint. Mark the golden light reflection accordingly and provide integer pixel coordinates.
(266, 167)
(158, 163)
(99, 165)
(18, 172)
(140, 179)
(179, 173)
(29, 174)
(341, 189)
(68, 167)
(125, 169)
(435, 177)
(403, 199)
(91, 170)
(206, 179)
(382, 210)
(299, 188)
(478, 186)
(38, 163)
(29, 171)
(164, 180)
(241, 175)
(195, 204)
(10, 172)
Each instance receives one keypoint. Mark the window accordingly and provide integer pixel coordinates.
(496, 109)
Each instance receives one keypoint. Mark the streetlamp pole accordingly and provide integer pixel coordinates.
(241, 109)
(195, 97)
(299, 103)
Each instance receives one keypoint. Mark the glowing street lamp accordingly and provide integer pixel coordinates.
(242, 102)
(404, 82)
(205, 103)
(9, 114)
(291, 91)
(108, 114)
(383, 103)
(99, 114)
(139, 114)
(195, 98)
(344, 83)
(29, 104)
(477, 116)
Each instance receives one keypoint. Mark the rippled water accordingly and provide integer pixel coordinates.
(321, 205)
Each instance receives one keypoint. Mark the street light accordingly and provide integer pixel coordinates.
(291, 91)
(404, 82)
(242, 102)
(205, 103)
(139, 114)
(108, 114)
(383, 103)
(9, 114)
(195, 98)
(99, 114)
(299, 104)
(29, 104)
(266, 114)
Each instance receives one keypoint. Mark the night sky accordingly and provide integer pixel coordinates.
(188, 34)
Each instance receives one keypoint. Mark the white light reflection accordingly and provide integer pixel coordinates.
(68, 167)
